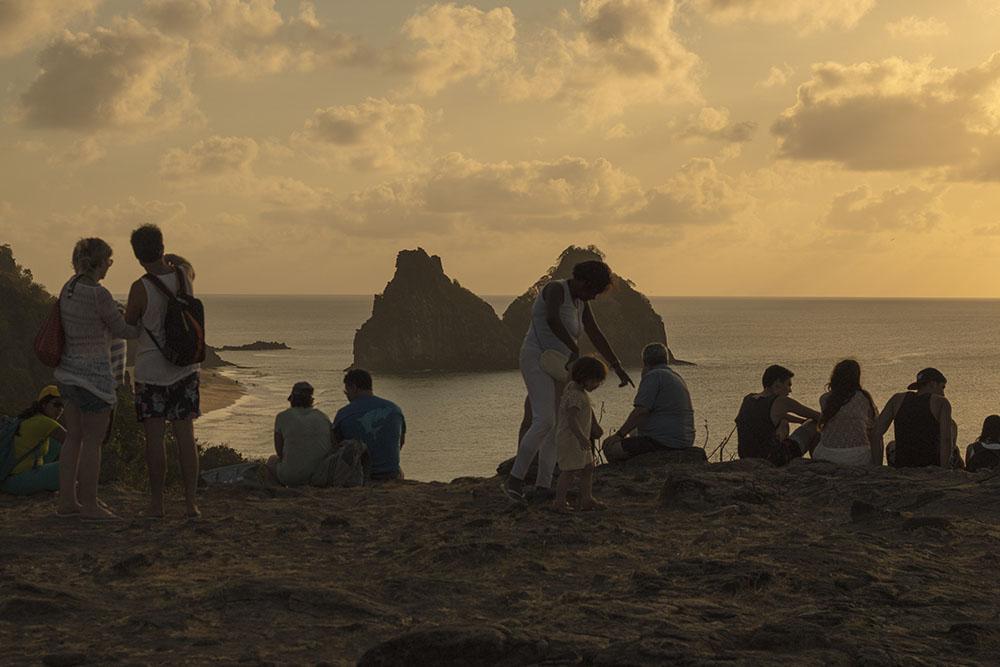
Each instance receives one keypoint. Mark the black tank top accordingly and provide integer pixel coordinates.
(982, 458)
(755, 432)
(918, 433)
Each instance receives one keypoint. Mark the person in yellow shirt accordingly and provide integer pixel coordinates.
(38, 440)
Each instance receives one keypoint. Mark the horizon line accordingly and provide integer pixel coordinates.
(370, 295)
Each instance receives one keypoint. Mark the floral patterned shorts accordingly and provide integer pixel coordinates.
(175, 402)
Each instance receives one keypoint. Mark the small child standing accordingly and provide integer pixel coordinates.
(573, 431)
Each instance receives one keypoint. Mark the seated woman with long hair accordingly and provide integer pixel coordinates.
(984, 453)
(847, 422)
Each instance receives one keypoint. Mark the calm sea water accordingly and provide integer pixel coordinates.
(464, 424)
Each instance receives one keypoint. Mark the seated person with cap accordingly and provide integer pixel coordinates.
(301, 439)
(763, 422)
(661, 413)
(36, 445)
(925, 432)
(374, 421)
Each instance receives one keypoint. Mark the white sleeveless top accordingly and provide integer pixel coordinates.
(540, 336)
(151, 367)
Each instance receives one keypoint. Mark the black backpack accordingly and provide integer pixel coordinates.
(183, 326)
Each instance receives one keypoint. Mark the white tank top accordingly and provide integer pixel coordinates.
(540, 336)
(151, 367)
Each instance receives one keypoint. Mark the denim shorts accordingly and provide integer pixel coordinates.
(83, 399)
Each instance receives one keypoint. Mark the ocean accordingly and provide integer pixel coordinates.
(462, 424)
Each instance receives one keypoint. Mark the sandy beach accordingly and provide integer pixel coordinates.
(735, 563)
(218, 391)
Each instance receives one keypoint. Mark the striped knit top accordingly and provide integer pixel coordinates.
(90, 320)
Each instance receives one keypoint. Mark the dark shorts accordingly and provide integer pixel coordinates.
(175, 402)
(778, 452)
(83, 399)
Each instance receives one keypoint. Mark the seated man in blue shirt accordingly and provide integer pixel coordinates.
(374, 421)
(662, 411)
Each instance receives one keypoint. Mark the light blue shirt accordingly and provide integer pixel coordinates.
(664, 393)
(376, 422)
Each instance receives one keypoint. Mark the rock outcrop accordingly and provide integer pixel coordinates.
(728, 564)
(425, 321)
(256, 346)
(23, 307)
(625, 315)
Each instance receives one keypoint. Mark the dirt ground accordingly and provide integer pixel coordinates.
(735, 563)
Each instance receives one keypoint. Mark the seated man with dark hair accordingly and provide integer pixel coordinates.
(374, 421)
(661, 413)
(763, 421)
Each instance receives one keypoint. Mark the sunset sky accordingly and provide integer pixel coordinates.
(709, 147)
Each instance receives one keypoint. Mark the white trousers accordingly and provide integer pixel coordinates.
(540, 438)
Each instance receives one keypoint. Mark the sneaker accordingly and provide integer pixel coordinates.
(516, 495)
(539, 494)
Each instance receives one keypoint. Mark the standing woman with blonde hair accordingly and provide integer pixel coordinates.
(91, 320)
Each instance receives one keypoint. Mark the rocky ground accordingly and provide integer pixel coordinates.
(734, 563)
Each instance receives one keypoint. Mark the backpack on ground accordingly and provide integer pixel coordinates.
(183, 325)
(346, 466)
(8, 429)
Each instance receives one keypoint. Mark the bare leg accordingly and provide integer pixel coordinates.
(587, 501)
(95, 426)
(187, 451)
(566, 478)
(69, 461)
(156, 462)
(271, 469)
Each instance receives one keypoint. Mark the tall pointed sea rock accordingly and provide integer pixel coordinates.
(425, 321)
(625, 315)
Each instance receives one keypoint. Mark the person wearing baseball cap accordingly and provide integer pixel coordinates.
(37, 443)
(301, 439)
(925, 432)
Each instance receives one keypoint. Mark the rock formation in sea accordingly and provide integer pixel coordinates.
(256, 346)
(425, 321)
(24, 304)
(624, 314)
(212, 358)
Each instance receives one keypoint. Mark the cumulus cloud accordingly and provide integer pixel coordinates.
(807, 15)
(215, 156)
(125, 76)
(457, 43)
(119, 219)
(26, 22)
(615, 53)
(697, 194)
(249, 38)
(776, 76)
(220, 163)
(897, 115)
(373, 134)
(714, 124)
(80, 154)
(915, 27)
(459, 193)
(860, 210)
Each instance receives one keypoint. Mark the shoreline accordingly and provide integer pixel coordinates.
(219, 391)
